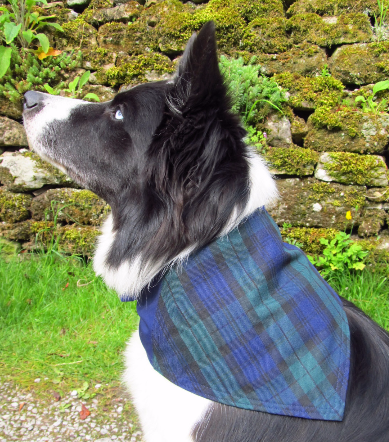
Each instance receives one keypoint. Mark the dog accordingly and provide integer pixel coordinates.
(171, 160)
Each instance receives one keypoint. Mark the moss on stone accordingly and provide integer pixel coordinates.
(304, 59)
(14, 207)
(346, 129)
(70, 206)
(292, 161)
(58, 176)
(77, 34)
(308, 237)
(96, 58)
(361, 63)
(135, 69)
(310, 93)
(248, 9)
(78, 240)
(332, 7)
(267, 35)
(351, 168)
(8, 249)
(348, 28)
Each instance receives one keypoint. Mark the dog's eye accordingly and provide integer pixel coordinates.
(119, 115)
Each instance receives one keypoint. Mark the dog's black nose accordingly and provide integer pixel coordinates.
(32, 99)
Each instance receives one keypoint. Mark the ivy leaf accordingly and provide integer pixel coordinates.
(11, 31)
(5, 60)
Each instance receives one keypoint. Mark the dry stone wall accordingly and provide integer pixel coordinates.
(328, 155)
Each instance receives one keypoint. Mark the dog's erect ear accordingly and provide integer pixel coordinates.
(198, 79)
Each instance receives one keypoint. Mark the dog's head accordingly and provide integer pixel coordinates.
(169, 156)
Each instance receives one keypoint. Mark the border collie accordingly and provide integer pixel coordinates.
(187, 197)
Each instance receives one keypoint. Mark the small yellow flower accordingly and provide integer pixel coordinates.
(348, 215)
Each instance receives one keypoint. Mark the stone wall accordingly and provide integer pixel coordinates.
(328, 155)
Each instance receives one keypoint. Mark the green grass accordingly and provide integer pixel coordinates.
(65, 334)
(50, 327)
(367, 290)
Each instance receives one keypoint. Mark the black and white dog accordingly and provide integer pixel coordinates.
(170, 159)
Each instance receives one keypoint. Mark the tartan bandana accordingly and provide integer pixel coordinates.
(248, 322)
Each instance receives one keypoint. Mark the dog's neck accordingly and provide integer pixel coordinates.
(131, 276)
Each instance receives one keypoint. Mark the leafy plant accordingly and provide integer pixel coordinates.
(340, 254)
(82, 392)
(379, 20)
(256, 138)
(370, 105)
(28, 72)
(22, 25)
(250, 91)
(325, 72)
(74, 88)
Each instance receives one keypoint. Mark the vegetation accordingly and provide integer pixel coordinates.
(74, 89)
(22, 25)
(369, 105)
(28, 72)
(253, 94)
(59, 321)
(339, 254)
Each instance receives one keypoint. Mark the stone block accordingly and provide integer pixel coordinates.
(347, 130)
(351, 168)
(361, 63)
(291, 160)
(14, 207)
(12, 133)
(312, 203)
(24, 171)
(70, 206)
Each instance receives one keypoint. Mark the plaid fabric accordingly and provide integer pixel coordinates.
(248, 322)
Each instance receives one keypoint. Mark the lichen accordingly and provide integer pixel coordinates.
(309, 237)
(311, 92)
(292, 160)
(14, 207)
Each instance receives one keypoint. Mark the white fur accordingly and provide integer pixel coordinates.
(131, 277)
(167, 413)
(55, 109)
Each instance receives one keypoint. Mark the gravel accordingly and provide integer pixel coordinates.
(26, 417)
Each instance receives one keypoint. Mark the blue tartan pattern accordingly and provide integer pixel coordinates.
(247, 321)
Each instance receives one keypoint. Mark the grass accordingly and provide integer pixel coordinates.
(367, 290)
(59, 323)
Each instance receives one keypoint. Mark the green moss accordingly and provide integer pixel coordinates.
(248, 9)
(98, 57)
(293, 160)
(77, 34)
(266, 35)
(342, 118)
(350, 28)
(332, 7)
(136, 69)
(78, 240)
(351, 168)
(309, 238)
(8, 248)
(307, 92)
(321, 190)
(14, 207)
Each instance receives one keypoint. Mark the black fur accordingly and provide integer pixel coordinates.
(173, 170)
